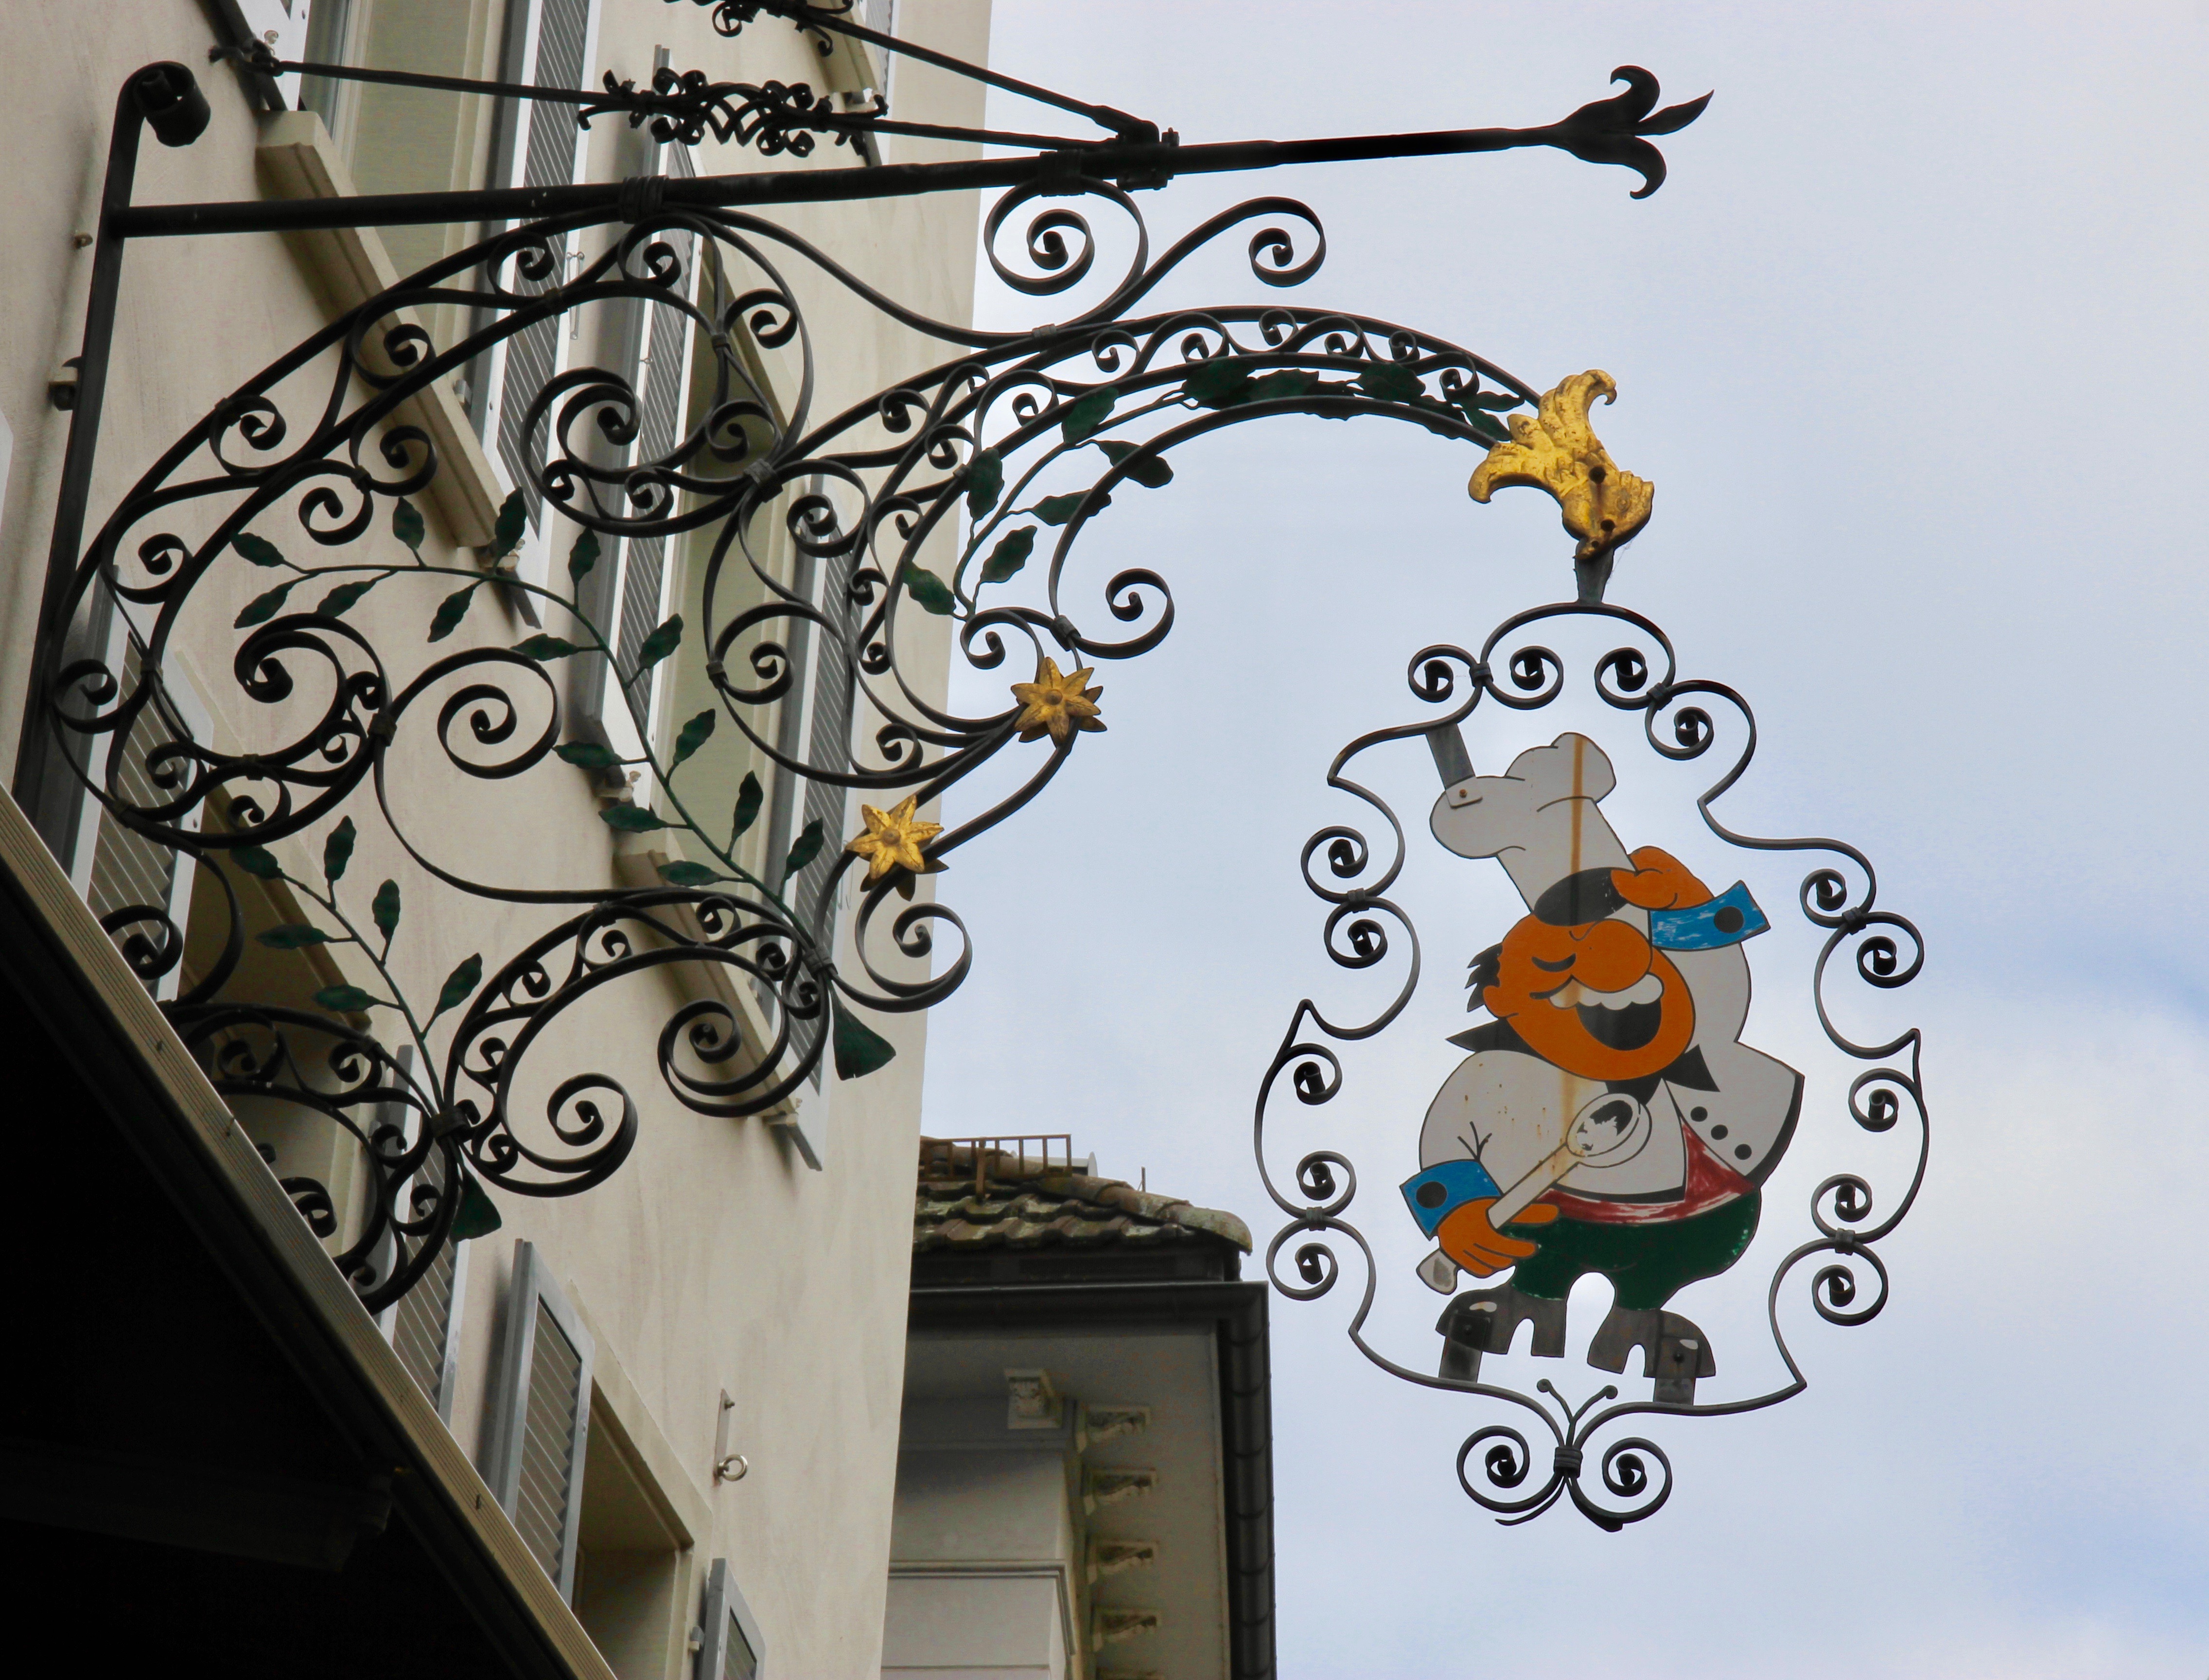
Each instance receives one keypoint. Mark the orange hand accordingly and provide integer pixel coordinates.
(1658, 881)
(1467, 1238)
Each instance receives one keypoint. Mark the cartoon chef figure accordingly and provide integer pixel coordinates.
(1608, 1118)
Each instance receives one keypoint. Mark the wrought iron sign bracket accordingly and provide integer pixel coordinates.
(1002, 454)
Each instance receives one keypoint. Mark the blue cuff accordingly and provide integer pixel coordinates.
(1727, 920)
(1434, 1194)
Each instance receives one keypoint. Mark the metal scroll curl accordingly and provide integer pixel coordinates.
(1499, 1466)
(362, 666)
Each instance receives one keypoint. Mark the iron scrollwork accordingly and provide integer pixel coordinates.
(1496, 1462)
(333, 716)
(1027, 436)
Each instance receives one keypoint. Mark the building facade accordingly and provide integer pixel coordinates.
(679, 1393)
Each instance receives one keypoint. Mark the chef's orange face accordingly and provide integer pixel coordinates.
(1596, 998)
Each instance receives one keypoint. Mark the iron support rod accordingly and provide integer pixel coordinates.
(49, 799)
(1149, 163)
(1103, 115)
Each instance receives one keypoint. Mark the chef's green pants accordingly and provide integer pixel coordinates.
(1647, 1264)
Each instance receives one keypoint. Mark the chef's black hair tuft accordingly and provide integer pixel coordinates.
(1485, 970)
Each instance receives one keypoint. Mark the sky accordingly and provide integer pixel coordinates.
(1910, 344)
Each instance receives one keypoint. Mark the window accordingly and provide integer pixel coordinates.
(538, 1423)
(112, 866)
(548, 43)
(423, 1325)
(730, 1647)
(626, 596)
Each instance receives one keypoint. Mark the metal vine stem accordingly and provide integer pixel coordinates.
(328, 437)
(1641, 676)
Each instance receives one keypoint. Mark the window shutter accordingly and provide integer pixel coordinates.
(549, 45)
(114, 867)
(423, 1325)
(662, 374)
(730, 1647)
(539, 1418)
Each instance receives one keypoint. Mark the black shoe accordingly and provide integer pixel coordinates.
(1674, 1351)
(1485, 1320)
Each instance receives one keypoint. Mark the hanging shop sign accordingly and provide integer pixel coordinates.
(1608, 1118)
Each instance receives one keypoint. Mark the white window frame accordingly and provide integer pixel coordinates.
(509, 168)
(724, 1608)
(506, 1416)
(601, 706)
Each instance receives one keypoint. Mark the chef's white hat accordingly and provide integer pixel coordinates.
(1538, 819)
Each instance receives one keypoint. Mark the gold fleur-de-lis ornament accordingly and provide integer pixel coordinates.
(1555, 449)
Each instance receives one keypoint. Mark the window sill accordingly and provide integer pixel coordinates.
(297, 158)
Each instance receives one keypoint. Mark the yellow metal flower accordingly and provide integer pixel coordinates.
(1056, 704)
(1556, 450)
(892, 840)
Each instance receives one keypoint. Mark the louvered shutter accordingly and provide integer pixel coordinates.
(729, 1646)
(423, 1325)
(661, 376)
(548, 43)
(114, 867)
(540, 1419)
(829, 732)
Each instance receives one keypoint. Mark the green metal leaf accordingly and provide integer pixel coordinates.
(460, 983)
(1499, 400)
(1151, 474)
(1288, 382)
(407, 525)
(343, 1000)
(859, 1049)
(985, 481)
(1391, 383)
(749, 794)
(334, 603)
(631, 819)
(1221, 383)
(545, 647)
(693, 735)
(337, 849)
(259, 549)
(476, 1216)
(687, 874)
(293, 936)
(1057, 509)
(513, 522)
(928, 591)
(261, 608)
(583, 556)
(1484, 425)
(1010, 554)
(587, 755)
(451, 610)
(1085, 414)
(660, 644)
(258, 861)
(802, 850)
(385, 909)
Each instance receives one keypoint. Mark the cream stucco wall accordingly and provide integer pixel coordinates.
(716, 1258)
